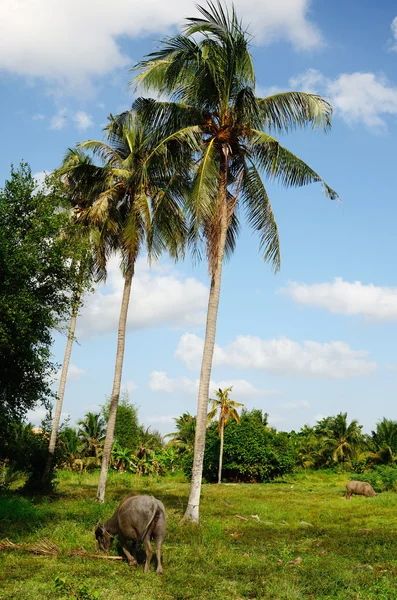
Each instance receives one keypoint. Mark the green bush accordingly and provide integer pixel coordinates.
(26, 452)
(382, 478)
(253, 451)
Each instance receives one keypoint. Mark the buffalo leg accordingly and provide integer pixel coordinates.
(159, 543)
(131, 560)
(148, 551)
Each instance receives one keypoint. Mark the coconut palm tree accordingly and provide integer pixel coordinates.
(383, 442)
(208, 74)
(227, 410)
(341, 440)
(183, 437)
(133, 196)
(91, 433)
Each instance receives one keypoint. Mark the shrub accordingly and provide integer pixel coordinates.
(382, 478)
(253, 451)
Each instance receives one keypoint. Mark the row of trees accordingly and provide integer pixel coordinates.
(248, 448)
(172, 174)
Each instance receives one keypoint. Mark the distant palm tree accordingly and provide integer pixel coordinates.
(383, 442)
(227, 410)
(341, 440)
(208, 74)
(132, 197)
(91, 434)
(183, 437)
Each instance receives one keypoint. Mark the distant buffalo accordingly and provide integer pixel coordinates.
(137, 518)
(361, 488)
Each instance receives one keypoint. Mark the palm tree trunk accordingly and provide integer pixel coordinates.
(61, 390)
(192, 510)
(107, 449)
(221, 452)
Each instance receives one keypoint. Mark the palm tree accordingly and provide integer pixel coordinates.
(341, 440)
(227, 410)
(383, 442)
(183, 437)
(133, 196)
(208, 74)
(91, 434)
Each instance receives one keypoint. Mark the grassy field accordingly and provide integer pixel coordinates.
(346, 550)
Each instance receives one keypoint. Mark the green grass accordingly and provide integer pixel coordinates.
(348, 551)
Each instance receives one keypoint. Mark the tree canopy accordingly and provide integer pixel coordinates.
(37, 281)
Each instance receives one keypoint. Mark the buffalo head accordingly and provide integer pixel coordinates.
(103, 538)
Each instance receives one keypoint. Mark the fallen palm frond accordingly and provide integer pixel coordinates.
(8, 545)
(47, 548)
(44, 547)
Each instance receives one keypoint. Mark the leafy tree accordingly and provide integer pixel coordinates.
(36, 285)
(253, 451)
(208, 73)
(150, 439)
(132, 197)
(227, 410)
(91, 434)
(127, 431)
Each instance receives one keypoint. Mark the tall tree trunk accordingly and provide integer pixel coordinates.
(118, 370)
(61, 390)
(222, 429)
(192, 510)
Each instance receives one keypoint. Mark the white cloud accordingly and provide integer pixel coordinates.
(295, 405)
(40, 177)
(62, 118)
(74, 373)
(130, 386)
(82, 120)
(390, 367)
(38, 117)
(393, 27)
(343, 297)
(159, 296)
(357, 97)
(335, 360)
(69, 42)
(160, 382)
(58, 121)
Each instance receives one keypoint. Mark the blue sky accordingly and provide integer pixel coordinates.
(317, 338)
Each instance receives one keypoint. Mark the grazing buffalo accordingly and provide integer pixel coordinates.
(137, 518)
(361, 488)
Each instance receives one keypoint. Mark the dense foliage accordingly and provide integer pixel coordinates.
(127, 431)
(36, 283)
(253, 451)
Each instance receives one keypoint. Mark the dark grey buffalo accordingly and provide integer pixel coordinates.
(137, 518)
(361, 488)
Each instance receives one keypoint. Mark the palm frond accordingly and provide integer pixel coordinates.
(282, 165)
(260, 215)
(286, 111)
